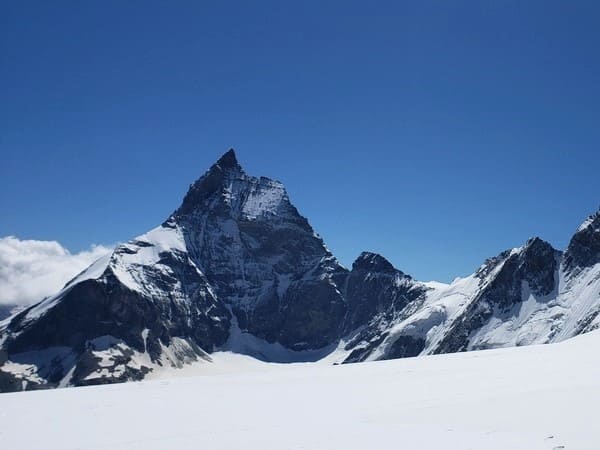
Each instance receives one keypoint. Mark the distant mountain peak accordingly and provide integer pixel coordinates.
(536, 244)
(373, 262)
(584, 247)
(535, 240)
(592, 221)
(228, 160)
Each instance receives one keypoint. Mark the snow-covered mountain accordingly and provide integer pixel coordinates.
(237, 267)
(533, 294)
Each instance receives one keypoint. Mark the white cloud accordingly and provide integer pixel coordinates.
(31, 270)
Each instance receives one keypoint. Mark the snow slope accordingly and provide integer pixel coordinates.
(535, 397)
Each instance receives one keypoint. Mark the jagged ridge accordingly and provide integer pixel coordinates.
(237, 260)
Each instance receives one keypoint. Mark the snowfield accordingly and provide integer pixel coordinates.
(535, 397)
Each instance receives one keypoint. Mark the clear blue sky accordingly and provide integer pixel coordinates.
(436, 133)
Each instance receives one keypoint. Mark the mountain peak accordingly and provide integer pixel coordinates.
(536, 243)
(584, 247)
(373, 262)
(535, 240)
(591, 221)
(212, 181)
(228, 160)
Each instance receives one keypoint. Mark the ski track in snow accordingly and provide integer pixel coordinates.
(536, 397)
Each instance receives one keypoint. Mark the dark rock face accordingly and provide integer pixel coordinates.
(584, 248)
(313, 314)
(374, 287)
(536, 265)
(377, 295)
(406, 347)
(262, 257)
(9, 382)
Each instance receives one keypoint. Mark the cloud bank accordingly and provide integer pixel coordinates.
(31, 270)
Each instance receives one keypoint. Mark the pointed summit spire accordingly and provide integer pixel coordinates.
(212, 181)
(228, 160)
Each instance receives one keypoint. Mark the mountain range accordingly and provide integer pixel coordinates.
(237, 268)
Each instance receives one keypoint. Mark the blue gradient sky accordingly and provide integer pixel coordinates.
(436, 133)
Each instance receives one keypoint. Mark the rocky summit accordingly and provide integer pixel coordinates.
(237, 268)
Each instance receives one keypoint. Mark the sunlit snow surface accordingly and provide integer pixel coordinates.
(537, 397)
